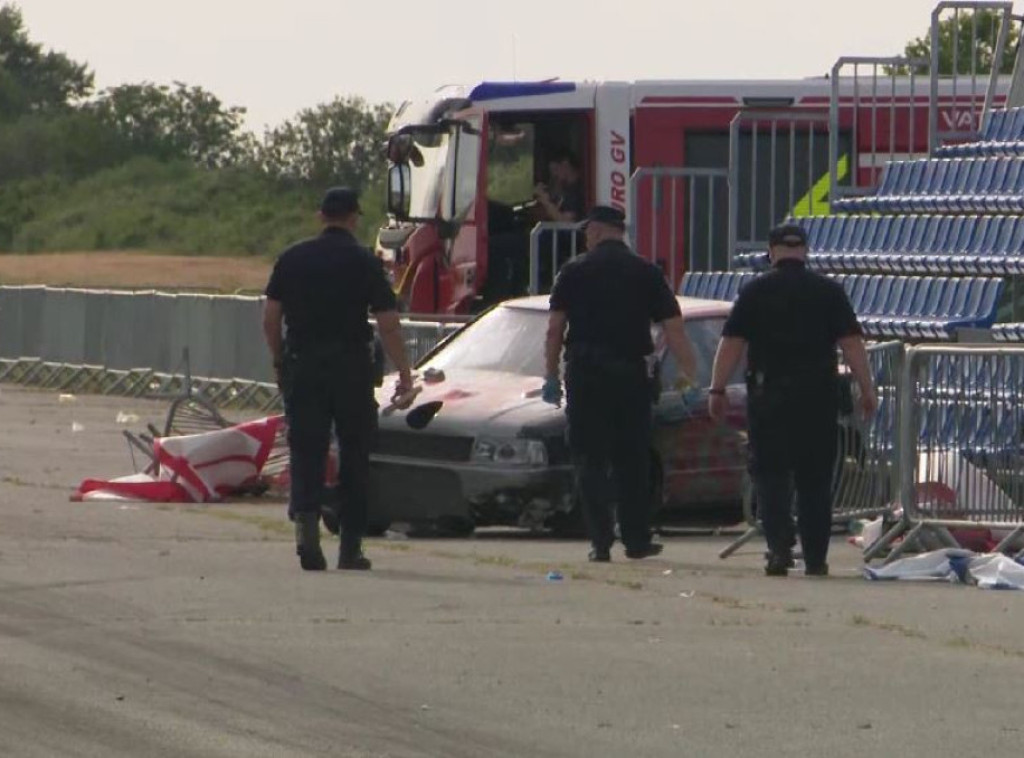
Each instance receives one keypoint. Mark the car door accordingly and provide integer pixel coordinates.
(703, 462)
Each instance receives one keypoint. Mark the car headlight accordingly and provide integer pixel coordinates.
(510, 452)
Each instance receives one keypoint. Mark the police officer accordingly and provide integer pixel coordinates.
(789, 321)
(322, 290)
(608, 299)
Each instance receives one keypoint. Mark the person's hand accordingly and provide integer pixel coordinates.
(403, 395)
(868, 403)
(717, 406)
(683, 385)
(551, 393)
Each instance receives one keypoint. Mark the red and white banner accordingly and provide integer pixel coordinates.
(195, 468)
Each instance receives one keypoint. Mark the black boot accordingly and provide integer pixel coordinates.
(350, 556)
(307, 542)
(778, 564)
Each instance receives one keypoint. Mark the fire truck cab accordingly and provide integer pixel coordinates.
(464, 163)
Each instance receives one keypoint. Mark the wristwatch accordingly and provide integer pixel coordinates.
(714, 391)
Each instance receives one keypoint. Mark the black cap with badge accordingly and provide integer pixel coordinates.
(606, 214)
(339, 202)
(788, 235)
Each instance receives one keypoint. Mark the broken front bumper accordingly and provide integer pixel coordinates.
(405, 489)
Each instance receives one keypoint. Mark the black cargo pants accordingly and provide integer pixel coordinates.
(793, 441)
(327, 387)
(610, 427)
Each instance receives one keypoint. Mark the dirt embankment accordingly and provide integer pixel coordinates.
(131, 270)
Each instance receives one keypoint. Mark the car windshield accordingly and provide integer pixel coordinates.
(507, 339)
(511, 340)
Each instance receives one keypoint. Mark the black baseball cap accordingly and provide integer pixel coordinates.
(605, 214)
(340, 201)
(788, 235)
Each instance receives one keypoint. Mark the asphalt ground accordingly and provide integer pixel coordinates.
(157, 630)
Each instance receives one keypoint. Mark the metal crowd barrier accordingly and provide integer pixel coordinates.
(96, 340)
(962, 447)
(866, 476)
(547, 255)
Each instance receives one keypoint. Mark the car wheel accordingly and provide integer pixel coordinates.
(657, 488)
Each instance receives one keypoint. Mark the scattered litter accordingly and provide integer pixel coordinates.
(555, 576)
(76, 427)
(424, 707)
(128, 508)
(65, 398)
(126, 418)
(688, 594)
(676, 726)
(667, 572)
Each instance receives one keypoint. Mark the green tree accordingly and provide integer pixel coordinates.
(32, 80)
(341, 142)
(175, 122)
(956, 32)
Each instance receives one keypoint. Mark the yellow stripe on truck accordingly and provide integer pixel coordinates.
(815, 202)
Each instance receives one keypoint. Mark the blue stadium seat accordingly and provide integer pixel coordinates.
(904, 307)
(946, 185)
(937, 244)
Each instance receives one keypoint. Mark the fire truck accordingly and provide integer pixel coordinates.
(463, 164)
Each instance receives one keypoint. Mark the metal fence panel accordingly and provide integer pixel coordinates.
(552, 245)
(973, 88)
(961, 443)
(12, 322)
(680, 223)
(783, 158)
(882, 104)
(866, 479)
(222, 335)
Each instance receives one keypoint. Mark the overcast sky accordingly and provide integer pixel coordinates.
(275, 57)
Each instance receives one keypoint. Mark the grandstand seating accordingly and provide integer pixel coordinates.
(1002, 134)
(903, 307)
(935, 244)
(924, 255)
(945, 185)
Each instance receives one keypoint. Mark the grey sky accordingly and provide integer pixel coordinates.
(275, 57)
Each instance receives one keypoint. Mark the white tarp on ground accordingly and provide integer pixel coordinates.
(989, 571)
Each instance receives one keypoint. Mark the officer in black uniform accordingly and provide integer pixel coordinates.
(322, 290)
(608, 298)
(789, 321)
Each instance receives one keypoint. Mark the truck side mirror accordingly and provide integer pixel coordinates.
(399, 191)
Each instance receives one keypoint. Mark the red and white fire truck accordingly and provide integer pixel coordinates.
(464, 162)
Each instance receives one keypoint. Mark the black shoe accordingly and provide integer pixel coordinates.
(649, 550)
(353, 561)
(790, 561)
(600, 555)
(778, 565)
(816, 569)
(312, 559)
(307, 542)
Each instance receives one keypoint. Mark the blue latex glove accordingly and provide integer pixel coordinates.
(552, 391)
(692, 397)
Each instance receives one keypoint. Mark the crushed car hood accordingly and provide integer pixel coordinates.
(477, 403)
